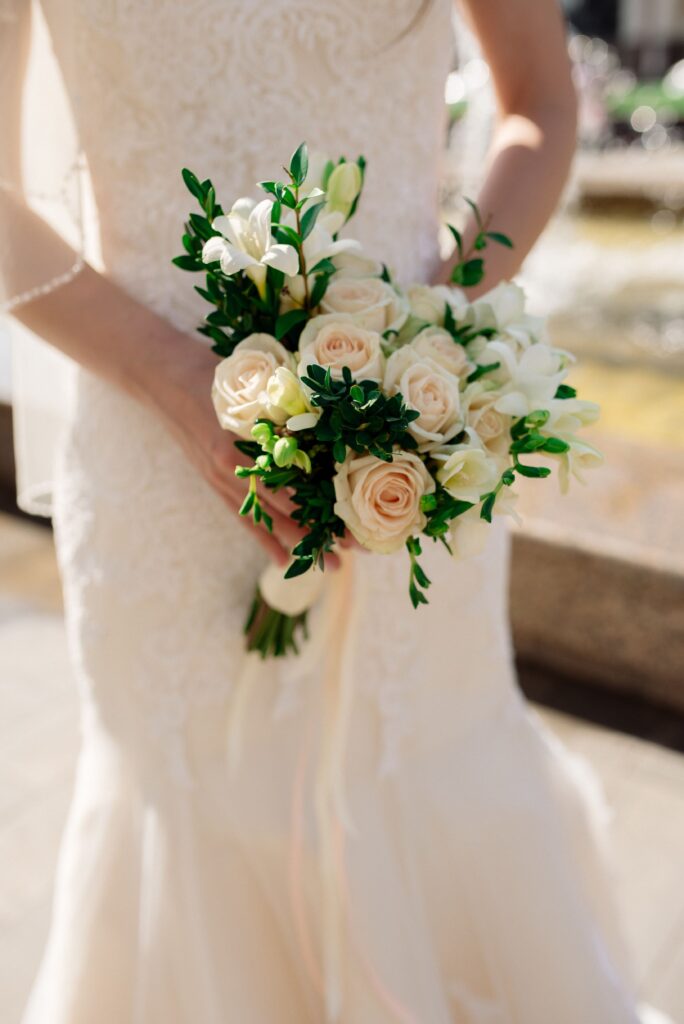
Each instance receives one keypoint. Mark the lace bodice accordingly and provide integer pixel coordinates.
(230, 88)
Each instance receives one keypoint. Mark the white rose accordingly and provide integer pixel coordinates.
(491, 426)
(430, 302)
(429, 389)
(437, 344)
(355, 264)
(373, 303)
(379, 501)
(239, 388)
(336, 341)
(466, 472)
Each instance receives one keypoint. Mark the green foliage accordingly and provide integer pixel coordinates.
(565, 391)
(357, 415)
(418, 581)
(440, 509)
(469, 270)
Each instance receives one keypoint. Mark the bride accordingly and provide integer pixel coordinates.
(197, 889)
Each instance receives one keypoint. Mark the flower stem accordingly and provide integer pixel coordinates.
(302, 257)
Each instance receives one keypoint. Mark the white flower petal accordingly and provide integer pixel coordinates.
(282, 257)
(233, 260)
(304, 421)
(213, 249)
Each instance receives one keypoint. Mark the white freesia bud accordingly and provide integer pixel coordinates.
(373, 303)
(580, 457)
(239, 388)
(466, 472)
(285, 393)
(284, 451)
(344, 185)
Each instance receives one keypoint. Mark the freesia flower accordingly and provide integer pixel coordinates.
(467, 471)
(246, 243)
(533, 376)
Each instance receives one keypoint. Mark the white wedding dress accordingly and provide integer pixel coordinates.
(198, 888)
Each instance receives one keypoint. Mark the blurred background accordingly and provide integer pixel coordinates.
(597, 583)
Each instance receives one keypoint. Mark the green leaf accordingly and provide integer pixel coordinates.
(488, 506)
(469, 273)
(298, 568)
(339, 451)
(286, 235)
(476, 211)
(458, 238)
(299, 164)
(480, 242)
(319, 289)
(210, 202)
(497, 236)
(309, 219)
(192, 184)
(286, 321)
(186, 262)
(565, 391)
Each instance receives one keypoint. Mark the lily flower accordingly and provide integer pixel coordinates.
(245, 243)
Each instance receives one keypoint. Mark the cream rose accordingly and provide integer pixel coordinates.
(239, 388)
(437, 344)
(429, 302)
(429, 389)
(466, 472)
(380, 501)
(491, 426)
(373, 303)
(355, 264)
(336, 341)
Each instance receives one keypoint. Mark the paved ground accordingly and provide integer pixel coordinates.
(644, 784)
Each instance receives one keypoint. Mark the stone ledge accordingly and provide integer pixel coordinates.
(599, 614)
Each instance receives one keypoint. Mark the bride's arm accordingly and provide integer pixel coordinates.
(533, 144)
(103, 328)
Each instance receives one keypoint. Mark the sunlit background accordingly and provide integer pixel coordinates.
(597, 593)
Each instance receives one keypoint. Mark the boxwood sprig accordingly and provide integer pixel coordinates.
(357, 415)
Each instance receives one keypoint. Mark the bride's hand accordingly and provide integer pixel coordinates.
(183, 397)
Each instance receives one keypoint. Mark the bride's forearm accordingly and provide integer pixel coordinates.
(94, 321)
(528, 164)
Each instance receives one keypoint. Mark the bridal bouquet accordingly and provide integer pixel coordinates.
(391, 414)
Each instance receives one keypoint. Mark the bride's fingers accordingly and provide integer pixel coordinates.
(278, 500)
